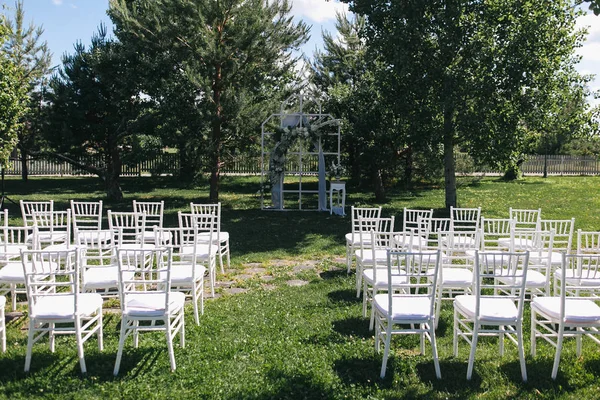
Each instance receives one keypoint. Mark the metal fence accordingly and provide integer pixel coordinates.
(168, 163)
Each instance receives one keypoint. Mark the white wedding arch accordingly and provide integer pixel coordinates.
(297, 145)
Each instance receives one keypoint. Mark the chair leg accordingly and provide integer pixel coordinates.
(13, 296)
(559, 343)
(170, 345)
(349, 250)
(532, 339)
(195, 304)
(386, 350)
(455, 335)
(521, 351)
(3, 330)
(365, 298)
(100, 332)
(473, 349)
(124, 323)
(79, 340)
(29, 344)
(436, 361)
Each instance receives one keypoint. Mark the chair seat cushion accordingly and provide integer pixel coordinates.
(524, 244)
(152, 304)
(354, 239)
(13, 272)
(418, 242)
(366, 257)
(63, 306)
(101, 277)
(223, 236)
(534, 279)
(183, 274)
(382, 277)
(103, 236)
(576, 310)
(11, 251)
(2, 302)
(586, 278)
(202, 250)
(456, 277)
(404, 308)
(491, 309)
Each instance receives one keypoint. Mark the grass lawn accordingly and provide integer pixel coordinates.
(279, 341)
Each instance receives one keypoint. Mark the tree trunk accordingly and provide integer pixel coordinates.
(24, 165)
(113, 172)
(449, 167)
(379, 188)
(408, 170)
(215, 156)
(186, 165)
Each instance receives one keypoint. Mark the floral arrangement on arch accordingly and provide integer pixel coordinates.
(286, 138)
(336, 171)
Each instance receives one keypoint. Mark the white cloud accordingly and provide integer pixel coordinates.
(318, 10)
(591, 22)
(590, 52)
(57, 2)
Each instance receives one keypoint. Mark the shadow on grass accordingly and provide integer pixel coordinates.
(286, 386)
(344, 296)
(353, 326)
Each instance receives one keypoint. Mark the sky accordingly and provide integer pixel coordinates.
(67, 21)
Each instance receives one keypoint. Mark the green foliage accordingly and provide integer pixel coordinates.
(215, 67)
(12, 98)
(461, 73)
(97, 110)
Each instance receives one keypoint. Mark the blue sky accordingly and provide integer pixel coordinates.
(68, 21)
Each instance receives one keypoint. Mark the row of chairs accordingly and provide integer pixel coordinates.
(57, 304)
(494, 307)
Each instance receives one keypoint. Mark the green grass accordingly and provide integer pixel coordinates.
(298, 342)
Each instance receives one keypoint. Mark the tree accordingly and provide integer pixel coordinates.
(233, 53)
(96, 110)
(25, 49)
(345, 75)
(456, 71)
(12, 99)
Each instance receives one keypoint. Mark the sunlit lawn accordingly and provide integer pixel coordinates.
(277, 341)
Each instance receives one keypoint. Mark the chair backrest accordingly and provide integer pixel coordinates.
(127, 227)
(215, 209)
(154, 211)
(501, 274)
(563, 232)
(86, 215)
(14, 239)
(4, 218)
(363, 212)
(410, 218)
(29, 207)
(526, 219)
(53, 227)
(588, 241)
(582, 272)
(465, 219)
(494, 229)
(51, 273)
(145, 279)
(384, 227)
(99, 251)
(197, 228)
(420, 271)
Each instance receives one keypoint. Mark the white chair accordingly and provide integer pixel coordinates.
(153, 211)
(86, 217)
(493, 231)
(16, 239)
(127, 229)
(539, 245)
(222, 238)
(99, 266)
(414, 220)
(375, 274)
(526, 219)
(495, 308)
(411, 310)
(146, 298)
(29, 207)
(588, 242)
(456, 266)
(575, 312)
(3, 323)
(53, 229)
(465, 219)
(353, 238)
(196, 240)
(371, 255)
(56, 305)
(563, 237)
(187, 272)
